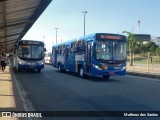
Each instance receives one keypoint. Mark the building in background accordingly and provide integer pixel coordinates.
(143, 37)
(156, 40)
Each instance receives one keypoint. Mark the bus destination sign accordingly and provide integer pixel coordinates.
(112, 37)
(29, 42)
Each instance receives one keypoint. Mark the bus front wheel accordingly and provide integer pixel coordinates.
(39, 70)
(18, 70)
(106, 76)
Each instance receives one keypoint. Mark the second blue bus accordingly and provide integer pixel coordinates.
(96, 54)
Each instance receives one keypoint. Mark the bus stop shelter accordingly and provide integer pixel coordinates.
(16, 18)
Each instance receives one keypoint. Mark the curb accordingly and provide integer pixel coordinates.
(144, 74)
(25, 104)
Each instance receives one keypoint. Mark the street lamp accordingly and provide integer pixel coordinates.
(43, 38)
(84, 12)
(132, 29)
(56, 34)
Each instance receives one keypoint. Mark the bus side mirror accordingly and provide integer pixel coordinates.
(44, 49)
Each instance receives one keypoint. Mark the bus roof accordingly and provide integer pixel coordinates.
(87, 38)
(31, 40)
(95, 34)
(66, 42)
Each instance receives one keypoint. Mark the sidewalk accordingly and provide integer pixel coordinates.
(143, 71)
(9, 97)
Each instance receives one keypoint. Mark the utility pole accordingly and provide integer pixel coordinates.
(56, 34)
(43, 38)
(84, 12)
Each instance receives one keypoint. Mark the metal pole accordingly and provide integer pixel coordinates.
(84, 12)
(43, 38)
(56, 34)
(139, 26)
(148, 62)
(132, 29)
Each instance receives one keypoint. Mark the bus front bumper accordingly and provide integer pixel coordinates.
(24, 66)
(108, 72)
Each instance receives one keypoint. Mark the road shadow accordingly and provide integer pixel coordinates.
(89, 77)
(26, 71)
(100, 79)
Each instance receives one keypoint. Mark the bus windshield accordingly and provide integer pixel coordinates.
(119, 51)
(31, 51)
(110, 50)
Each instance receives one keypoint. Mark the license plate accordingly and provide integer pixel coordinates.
(111, 73)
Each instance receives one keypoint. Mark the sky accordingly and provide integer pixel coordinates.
(104, 16)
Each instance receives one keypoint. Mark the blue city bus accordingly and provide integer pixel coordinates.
(29, 55)
(96, 54)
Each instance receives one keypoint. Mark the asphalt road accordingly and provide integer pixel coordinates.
(54, 91)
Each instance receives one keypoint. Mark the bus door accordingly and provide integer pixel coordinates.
(88, 56)
(55, 57)
(67, 57)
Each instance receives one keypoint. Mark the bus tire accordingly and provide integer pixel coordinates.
(18, 70)
(39, 70)
(81, 72)
(106, 76)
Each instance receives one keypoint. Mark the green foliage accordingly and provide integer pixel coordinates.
(150, 47)
(138, 47)
(158, 51)
(131, 43)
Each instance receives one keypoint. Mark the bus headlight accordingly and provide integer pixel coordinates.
(123, 68)
(97, 67)
(21, 62)
(40, 63)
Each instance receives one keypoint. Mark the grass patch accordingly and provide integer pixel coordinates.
(145, 60)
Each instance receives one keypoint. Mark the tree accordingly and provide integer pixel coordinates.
(158, 51)
(131, 43)
(139, 48)
(151, 47)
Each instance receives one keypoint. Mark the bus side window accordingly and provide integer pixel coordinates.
(63, 51)
(81, 47)
(69, 50)
(73, 48)
(53, 50)
(57, 50)
(60, 51)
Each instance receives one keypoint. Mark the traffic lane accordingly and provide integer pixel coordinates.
(142, 90)
(51, 90)
(64, 76)
(133, 88)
